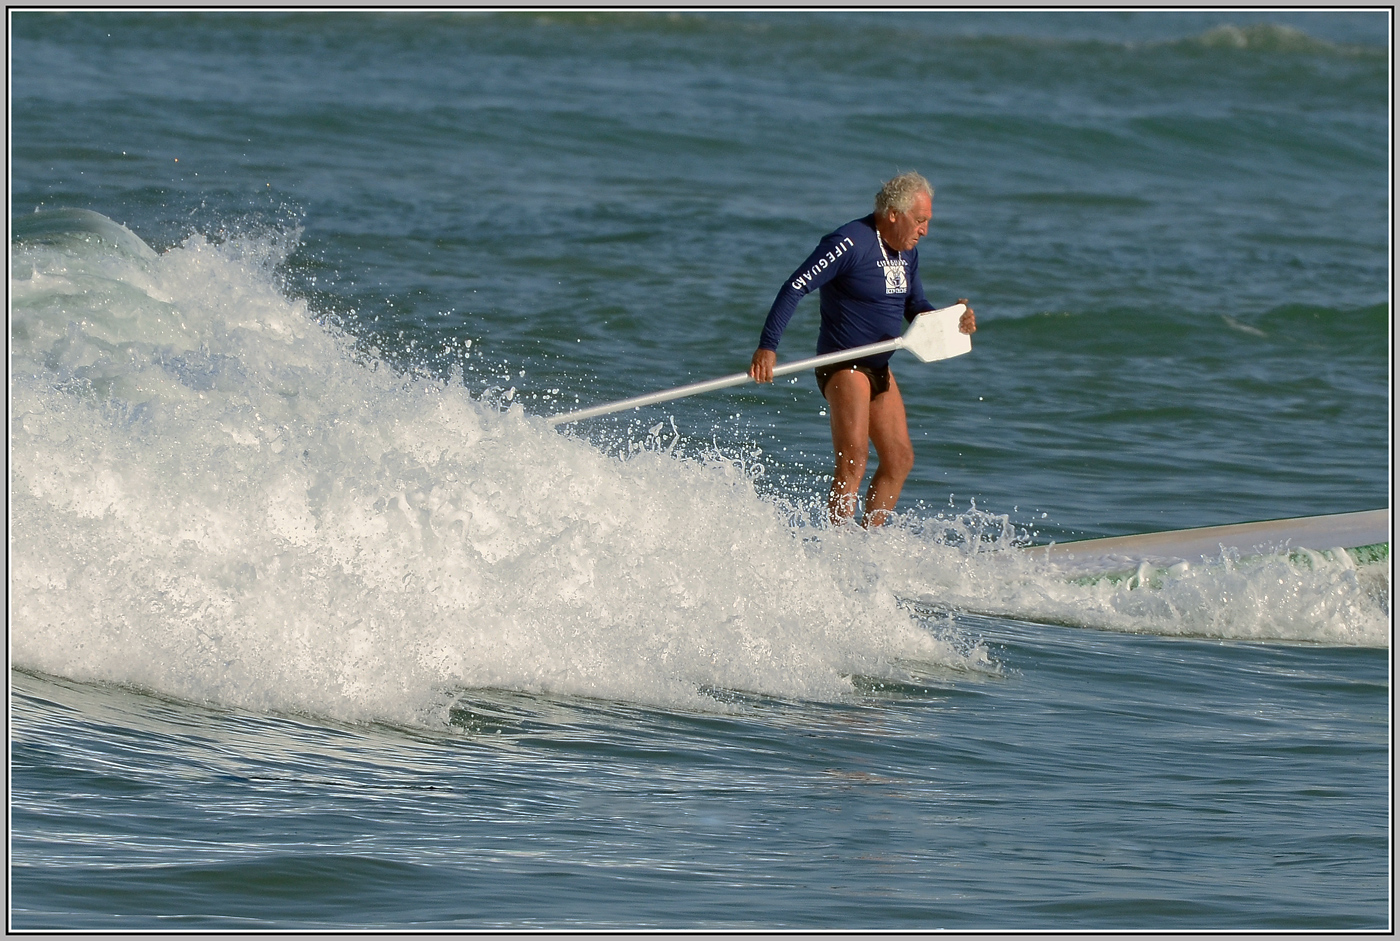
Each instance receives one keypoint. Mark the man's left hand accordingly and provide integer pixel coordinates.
(967, 323)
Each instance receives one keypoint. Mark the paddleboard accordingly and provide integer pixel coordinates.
(1364, 536)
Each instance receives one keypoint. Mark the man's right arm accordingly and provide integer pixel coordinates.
(761, 368)
(833, 254)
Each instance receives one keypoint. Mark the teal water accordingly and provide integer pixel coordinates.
(315, 624)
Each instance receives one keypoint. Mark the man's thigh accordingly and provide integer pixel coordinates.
(848, 401)
(888, 427)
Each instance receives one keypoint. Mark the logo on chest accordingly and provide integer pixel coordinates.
(896, 282)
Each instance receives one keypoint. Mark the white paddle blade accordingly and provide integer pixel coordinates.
(934, 334)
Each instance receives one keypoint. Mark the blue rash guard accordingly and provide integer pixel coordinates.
(867, 292)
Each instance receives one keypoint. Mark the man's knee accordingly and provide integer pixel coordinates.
(898, 460)
(851, 464)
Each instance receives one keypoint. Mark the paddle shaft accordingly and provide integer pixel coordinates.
(724, 382)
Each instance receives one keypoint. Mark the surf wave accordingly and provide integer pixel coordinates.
(1286, 595)
(1273, 37)
(218, 497)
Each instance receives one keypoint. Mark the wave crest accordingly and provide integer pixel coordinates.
(214, 496)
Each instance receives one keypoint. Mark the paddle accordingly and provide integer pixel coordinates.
(933, 335)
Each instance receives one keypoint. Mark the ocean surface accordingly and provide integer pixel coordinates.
(315, 623)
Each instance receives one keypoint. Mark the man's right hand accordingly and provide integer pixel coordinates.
(761, 369)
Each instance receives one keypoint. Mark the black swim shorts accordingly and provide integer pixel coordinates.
(879, 378)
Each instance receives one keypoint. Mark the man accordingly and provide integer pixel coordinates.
(868, 273)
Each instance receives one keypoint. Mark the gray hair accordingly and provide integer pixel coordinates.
(898, 194)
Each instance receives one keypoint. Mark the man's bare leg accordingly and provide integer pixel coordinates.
(848, 399)
(889, 431)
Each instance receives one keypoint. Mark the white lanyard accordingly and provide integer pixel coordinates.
(899, 256)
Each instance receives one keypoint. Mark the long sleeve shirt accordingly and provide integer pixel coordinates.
(867, 292)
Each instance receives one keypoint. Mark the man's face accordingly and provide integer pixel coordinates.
(906, 228)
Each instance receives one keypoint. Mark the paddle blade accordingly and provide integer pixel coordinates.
(934, 334)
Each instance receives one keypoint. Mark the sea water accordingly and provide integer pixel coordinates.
(316, 623)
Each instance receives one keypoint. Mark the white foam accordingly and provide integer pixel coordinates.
(217, 497)
(1287, 595)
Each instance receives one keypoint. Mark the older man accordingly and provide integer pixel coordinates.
(868, 273)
